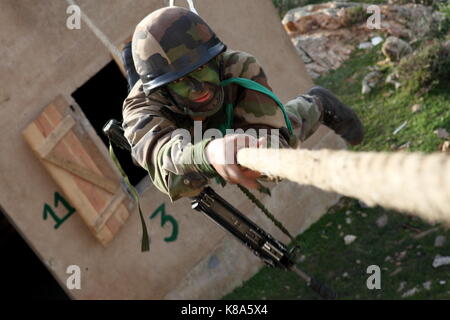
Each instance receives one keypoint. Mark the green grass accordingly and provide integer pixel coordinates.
(324, 251)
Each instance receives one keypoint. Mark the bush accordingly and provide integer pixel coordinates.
(355, 15)
(425, 68)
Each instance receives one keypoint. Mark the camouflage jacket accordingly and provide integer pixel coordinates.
(150, 124)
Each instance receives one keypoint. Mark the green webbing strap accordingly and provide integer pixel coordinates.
(145, 243)
(252, 85)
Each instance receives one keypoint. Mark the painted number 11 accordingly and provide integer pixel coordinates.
(48, 210)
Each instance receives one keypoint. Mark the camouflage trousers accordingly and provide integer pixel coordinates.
(305, 113)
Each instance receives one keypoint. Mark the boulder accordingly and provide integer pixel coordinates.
(326, 34)
(395, 48)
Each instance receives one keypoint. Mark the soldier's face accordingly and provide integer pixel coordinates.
(200, 90)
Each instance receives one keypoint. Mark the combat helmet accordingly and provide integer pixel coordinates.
(170, 43)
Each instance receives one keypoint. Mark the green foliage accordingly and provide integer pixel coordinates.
(428, 3)
(425, 68)
(443, 28)
(355, 15)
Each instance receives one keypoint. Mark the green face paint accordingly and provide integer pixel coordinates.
(199, 93)
(184, 86)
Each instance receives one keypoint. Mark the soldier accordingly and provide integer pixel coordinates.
(182, 66)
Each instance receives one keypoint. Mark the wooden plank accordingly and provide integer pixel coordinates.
(100, 181)
(109, 210)
(54, 113)
(113, 225)
(104, 236)
(55, 136)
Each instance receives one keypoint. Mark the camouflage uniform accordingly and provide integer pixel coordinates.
(150, 118)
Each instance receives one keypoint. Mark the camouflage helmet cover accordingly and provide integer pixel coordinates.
(170, 43)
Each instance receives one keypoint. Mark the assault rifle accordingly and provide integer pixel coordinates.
(271, 251)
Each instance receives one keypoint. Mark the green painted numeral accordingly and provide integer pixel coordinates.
(164, 219)
(49, 210)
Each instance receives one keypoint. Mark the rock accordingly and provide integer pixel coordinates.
(365, 45)
(410, 292)
(345, 275)
(416, 108)
(328, 16)
(304, 55)
(326, 34)
(439, 241)
(399, 128)
(322, 51)
(398, 30)
(358, 261)
(394, 49)
(440, 261)
(442, 133)
(402, 286)
(442, 282)
(392, 79)
(427, 285)
(376, 40)
(382, 221)
(348, 220)
(348, 239)
(370, 81)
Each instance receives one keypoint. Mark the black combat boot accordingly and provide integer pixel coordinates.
(338, 117)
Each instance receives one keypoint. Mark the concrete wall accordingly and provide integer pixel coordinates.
(41, 58)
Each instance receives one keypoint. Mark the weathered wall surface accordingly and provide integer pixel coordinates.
(41, 58)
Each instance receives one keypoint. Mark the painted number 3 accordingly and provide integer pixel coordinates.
(167, 218)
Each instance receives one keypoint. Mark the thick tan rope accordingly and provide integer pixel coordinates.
(409, 182)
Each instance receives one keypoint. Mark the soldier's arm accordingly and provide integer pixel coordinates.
(254, 109)
(158, 146)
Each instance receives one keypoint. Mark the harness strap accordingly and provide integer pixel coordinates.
(252, 85)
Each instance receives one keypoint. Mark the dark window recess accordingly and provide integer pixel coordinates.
(101, 99)
(24, 275)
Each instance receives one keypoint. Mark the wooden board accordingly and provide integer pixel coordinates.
(89, 181)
